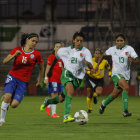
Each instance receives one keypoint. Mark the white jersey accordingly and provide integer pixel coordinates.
(74, 60)
(121, 64)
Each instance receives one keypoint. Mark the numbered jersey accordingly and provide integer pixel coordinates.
(74, 60)
(57, 69)
(24, 63)
(121, 64)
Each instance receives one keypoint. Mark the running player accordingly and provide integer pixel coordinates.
(53, 82)
(25, 57)
(75, 58)
(94, 82)
(122, 56)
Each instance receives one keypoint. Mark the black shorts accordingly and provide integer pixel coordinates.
(93, 83)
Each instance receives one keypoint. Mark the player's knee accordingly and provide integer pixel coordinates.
(13, 105)
(62, 97)
(126, 88)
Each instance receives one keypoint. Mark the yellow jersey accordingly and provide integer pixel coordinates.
(101, 69)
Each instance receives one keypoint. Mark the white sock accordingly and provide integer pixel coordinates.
(49, 106)
(4, 107)
(53, 108)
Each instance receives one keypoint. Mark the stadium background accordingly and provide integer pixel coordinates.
(57, 20)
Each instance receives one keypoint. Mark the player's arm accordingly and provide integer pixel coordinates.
(108, 67)
(136, 61)
(46, 74)
(103, 56)
(10, 57)
(49, 74)
(41, 73)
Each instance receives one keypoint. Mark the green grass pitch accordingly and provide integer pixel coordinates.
(27, 123)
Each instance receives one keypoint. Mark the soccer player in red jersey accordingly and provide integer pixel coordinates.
(25, 57)
(53, 81)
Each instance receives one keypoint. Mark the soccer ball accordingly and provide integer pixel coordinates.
(81, 117)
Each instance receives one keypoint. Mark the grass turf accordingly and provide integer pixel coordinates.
(27, 123)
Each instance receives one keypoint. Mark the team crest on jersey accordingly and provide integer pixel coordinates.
(32, 56)
(81, 54)
(126, 53)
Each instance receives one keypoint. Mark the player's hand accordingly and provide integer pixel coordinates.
(46, 81)
(92, 71)
(130, 58)
(96, 68)
(38, 84)
(17, 52)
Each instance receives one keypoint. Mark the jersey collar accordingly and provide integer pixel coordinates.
(121, 48)
(72, 47)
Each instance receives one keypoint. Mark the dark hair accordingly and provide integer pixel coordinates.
(25, 36)
(98, 49)
(120, 35)
(53, 52)
(81, 34)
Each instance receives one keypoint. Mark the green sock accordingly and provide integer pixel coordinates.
(108, 100)
(54, 100)
(67, 105)
(125, 100)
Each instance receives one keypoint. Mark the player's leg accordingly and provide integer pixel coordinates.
(68, 91)
(10, 86)
(95, 97)
(90, 86)
(98, 89)
(56, 99)
(89, 99)
(53, 107)
(109, 99)
(4, 107)
(98, 92)
(124, 85)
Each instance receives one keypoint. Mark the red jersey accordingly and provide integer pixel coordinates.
(57, 69)
(24, 63)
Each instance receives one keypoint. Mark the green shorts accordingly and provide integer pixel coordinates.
(67, 77)
(116, 79)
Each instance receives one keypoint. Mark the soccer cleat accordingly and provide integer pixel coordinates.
(55, 116)
(102, 108)
(95, 100)
(48, 111)
(68, 119)
(89, 111)
(43, 106)
(126, 113)
(2, 123)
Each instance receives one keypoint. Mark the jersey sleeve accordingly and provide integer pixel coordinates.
(14, 50)
(88, 56)
(50, 60)
(39, 58)
(133, 54)
(108, 51)
(62, 53)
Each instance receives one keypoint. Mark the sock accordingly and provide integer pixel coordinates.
(53, 108)
(4, 107)
(49, 106)
(67, 105)
(89, 103)
(108, 100)
(54, 100)
(125, 100)
(95, 94)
